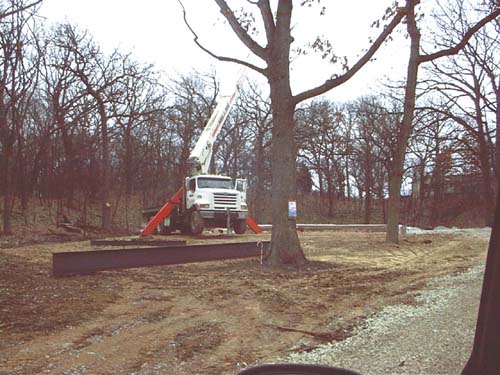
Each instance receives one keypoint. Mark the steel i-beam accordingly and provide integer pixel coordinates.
(84, 262)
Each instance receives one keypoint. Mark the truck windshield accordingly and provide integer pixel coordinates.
(214, 183)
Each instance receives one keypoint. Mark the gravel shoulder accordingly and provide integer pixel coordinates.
(433, 337)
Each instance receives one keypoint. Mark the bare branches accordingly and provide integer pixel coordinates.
(463, 42)
(22, 8)
(337, 81)
(215, 56)
(267, 17)
(242, 34)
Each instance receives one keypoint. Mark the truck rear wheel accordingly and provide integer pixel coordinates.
(240, 226)
(196, 222)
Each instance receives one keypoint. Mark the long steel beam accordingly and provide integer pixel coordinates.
(84, 262)
(137, 242)
(335, 227)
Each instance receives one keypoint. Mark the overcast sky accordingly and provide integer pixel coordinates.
(154, 31)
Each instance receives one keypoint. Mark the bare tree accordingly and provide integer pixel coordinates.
(285, 244)
(157, 159)
(18, 78)
(100, 77)
(310, 138)
(10, 8)
(369, 146)
(323, 147)
(140, 101)
(67, 102)
(432, 150)
(467, 82)
(416, 58)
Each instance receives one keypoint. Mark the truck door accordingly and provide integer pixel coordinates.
(190, 193)
(241, 185)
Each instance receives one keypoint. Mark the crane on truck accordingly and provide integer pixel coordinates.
(205, 200)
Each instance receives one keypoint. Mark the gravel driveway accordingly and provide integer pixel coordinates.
(433, 337)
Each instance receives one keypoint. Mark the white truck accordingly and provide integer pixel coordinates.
(210, 201)
(205, 201)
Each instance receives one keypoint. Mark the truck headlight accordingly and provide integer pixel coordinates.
(243, 206)
(204, 205)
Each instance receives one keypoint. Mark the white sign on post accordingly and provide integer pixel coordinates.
(292, 209)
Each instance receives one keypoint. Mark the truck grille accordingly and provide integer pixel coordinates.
(225, 200)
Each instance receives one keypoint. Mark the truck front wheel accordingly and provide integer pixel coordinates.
(196, 223)
(240, 226)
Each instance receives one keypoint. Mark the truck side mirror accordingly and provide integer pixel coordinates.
(241, 184)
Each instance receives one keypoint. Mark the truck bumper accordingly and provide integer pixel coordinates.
(222, 215)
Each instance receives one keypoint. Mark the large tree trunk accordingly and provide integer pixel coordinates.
(285, 244)
(393, 208)
(396, 176)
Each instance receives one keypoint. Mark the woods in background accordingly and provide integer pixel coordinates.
(82, 127)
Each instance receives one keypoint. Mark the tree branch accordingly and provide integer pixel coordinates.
(242, 34)
(337, 81)
(218, 57)
(459, 120)
(21, 9)
(465, 39)
(267, 17)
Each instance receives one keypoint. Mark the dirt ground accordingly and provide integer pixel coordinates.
(208, 318)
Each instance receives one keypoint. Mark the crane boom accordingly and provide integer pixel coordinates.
(201, 155)
(206, 200)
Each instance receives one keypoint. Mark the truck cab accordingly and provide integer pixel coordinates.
(213, 201)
